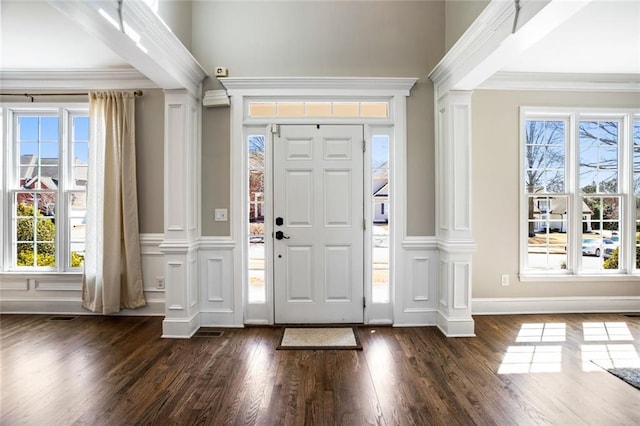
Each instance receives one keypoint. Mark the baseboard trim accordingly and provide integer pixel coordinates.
(554, 305)
(455, 327)
(71, 306)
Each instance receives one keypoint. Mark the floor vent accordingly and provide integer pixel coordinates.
(62, 318)
(203, 332)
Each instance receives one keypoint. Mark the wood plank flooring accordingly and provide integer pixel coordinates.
(118, 371)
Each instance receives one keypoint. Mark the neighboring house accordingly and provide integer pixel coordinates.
(381, 203)
(381, 193)
(551, 214)
(45, 177)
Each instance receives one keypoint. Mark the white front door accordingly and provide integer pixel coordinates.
(318, 208)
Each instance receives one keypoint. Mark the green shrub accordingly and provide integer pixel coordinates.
(612, 262)
(46, 231)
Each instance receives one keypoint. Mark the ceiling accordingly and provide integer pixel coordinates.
(34, 35)
(603, 37)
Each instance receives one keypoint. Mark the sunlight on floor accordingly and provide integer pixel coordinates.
(606, 331)
(532, 359)
(596, 357)
(527, 358)
(539, 332)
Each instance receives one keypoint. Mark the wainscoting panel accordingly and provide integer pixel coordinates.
(217, 298)
(41, 293)
(417, 286)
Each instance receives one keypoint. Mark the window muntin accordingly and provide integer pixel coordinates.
(47, 162)
(575, 188)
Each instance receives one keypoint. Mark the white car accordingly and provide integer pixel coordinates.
(592, 247)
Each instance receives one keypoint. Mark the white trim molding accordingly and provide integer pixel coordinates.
(243, 90)
(562, 81)
(146, 42)
(490, 42)
(555, 305)
(73, 79)
(318, 86)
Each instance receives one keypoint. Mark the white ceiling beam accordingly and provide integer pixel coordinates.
(490, 43)
(146, 43)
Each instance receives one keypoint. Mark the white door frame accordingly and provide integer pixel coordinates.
(244, 90)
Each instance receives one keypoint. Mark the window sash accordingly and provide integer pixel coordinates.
(63, 193)
(627, 218)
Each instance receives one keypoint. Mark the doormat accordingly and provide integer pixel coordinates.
(629, 375)
(312, 338)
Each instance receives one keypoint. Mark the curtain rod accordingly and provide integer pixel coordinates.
(32, 95)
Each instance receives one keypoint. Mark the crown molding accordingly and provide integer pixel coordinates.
(563, 81)
(490, 42)
(74, 79)
(154, 50)
(329, 86)
(215, 98)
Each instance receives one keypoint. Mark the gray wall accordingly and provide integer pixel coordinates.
(177, 16)
(150, 160)
(459, 15)
(495, 199)
(340, 39)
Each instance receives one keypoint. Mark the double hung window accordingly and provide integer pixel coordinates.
(45, 160)
(580, 202)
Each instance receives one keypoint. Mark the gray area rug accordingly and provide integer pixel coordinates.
(313, 338)
(629, 375)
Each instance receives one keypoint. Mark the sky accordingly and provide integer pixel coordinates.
(39, 136)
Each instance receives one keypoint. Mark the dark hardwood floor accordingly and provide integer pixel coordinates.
(118, 371)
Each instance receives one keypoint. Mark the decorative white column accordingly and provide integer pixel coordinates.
(181, 209)
(453, 213)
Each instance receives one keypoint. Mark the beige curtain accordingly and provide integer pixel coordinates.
(112, 268)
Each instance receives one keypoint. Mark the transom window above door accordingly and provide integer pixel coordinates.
(318, 109)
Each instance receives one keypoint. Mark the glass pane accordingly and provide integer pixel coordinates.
(35, 229)
(598, 157)
(290, 109)
(547, 232)
(262, 109)
(637, 233)
(318, 109)
(81, 129)
(600, 233)
(77, 228)
(374, 109)
(544, 156)
(636, 157)
(49, 129)
(257, 286)
(380, 206)
(345, 109)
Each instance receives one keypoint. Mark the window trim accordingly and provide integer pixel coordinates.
(65, 111)
(573, 116)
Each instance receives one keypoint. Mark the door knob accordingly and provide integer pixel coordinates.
(280, 235)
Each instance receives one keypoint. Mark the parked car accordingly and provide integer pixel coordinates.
(592, 247)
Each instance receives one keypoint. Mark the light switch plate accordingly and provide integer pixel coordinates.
(221, 215)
